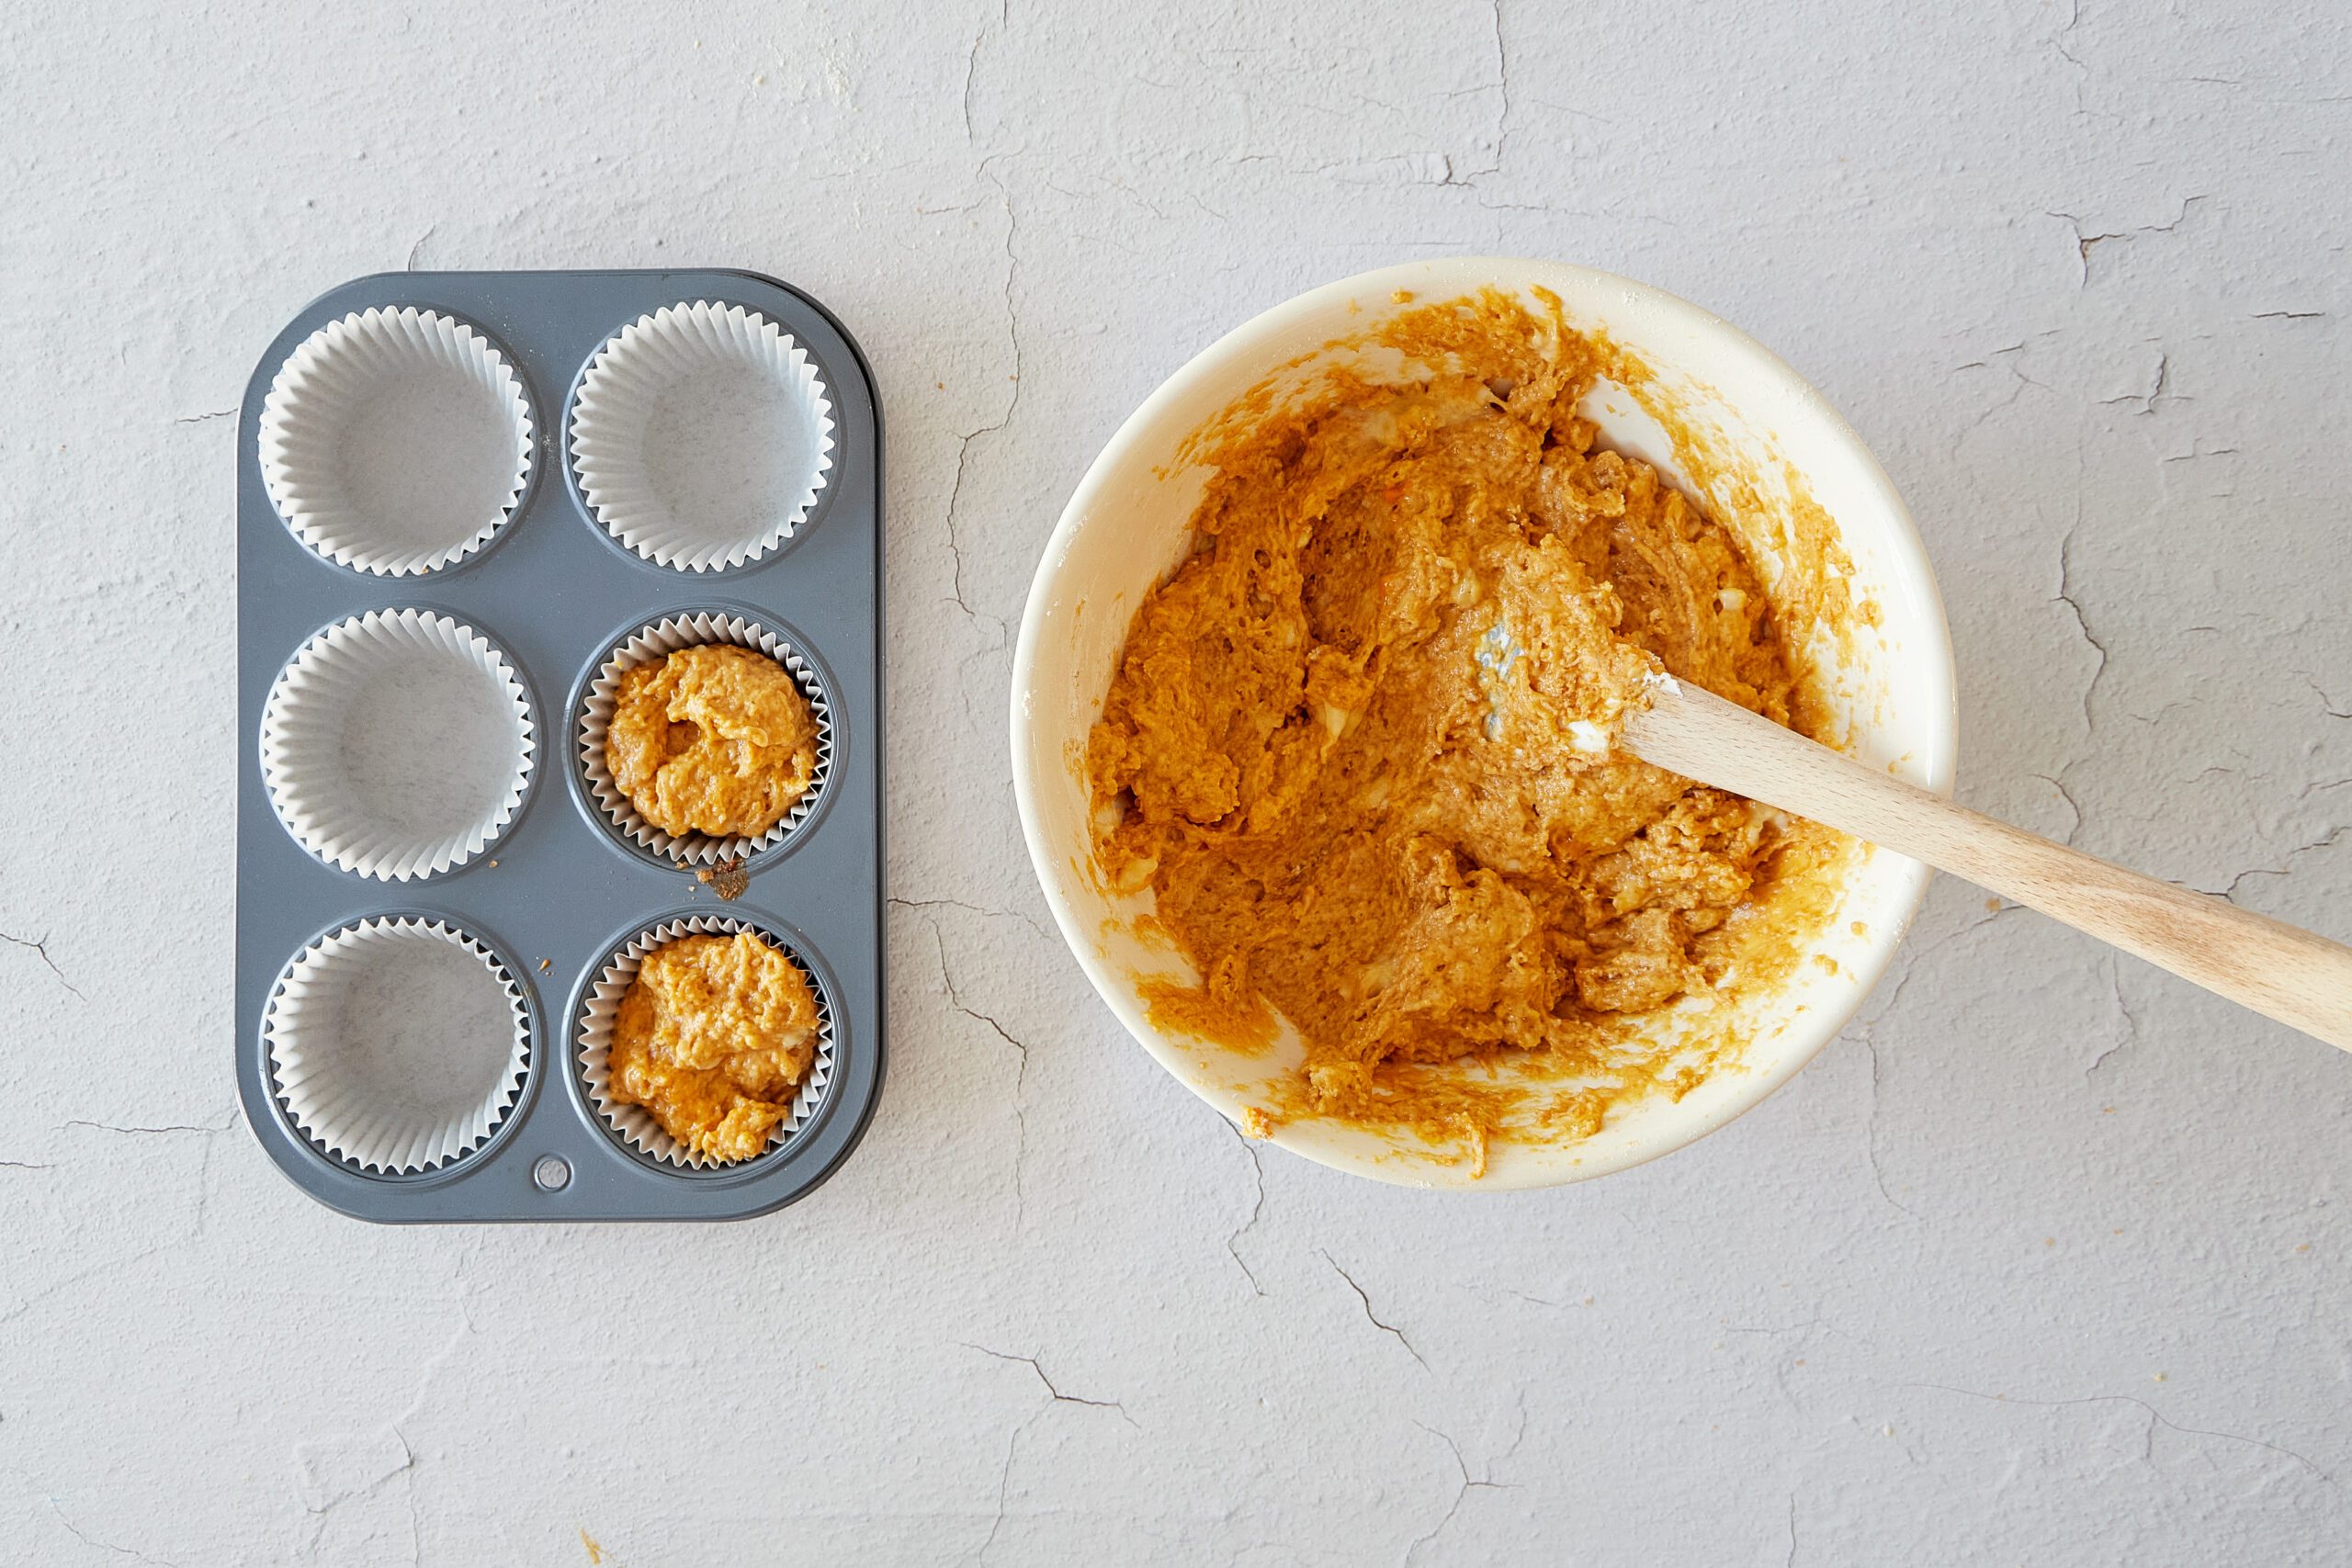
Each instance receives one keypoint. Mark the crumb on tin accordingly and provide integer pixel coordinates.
(728, 879)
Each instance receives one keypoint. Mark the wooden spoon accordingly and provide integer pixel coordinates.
(2275, 968)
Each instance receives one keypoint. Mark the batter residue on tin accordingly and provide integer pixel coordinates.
(713, 1037)
(1361, 745)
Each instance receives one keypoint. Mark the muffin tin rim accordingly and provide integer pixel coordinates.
(828, 486)
(533, 1052)
(811, 962)
(576, 769)
(533, 773)
(265, 377)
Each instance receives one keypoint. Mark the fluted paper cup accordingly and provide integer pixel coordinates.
(658, 640)
(397, 744)
(633, 1123)
(397, 1046)
(396, 441)
(701, 436)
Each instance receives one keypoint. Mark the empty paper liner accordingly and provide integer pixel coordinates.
(396, 441)
(701, 436)
(397, 744)
(398, 1045)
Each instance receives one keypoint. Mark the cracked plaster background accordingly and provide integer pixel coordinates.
(2045, 1260)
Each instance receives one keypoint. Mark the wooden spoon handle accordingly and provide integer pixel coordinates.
(2277, 969)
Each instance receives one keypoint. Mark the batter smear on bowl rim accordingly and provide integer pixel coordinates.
(1359, 746)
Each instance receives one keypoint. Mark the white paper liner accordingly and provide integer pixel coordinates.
(634, 1122)
(397, 744)
(396, 442)
(398, 1045)
(701, 436)
(659, 640)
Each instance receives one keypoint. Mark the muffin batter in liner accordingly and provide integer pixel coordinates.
(659, 640)
(663, 382)
(336, 805)
(633, 1123)
(328, 1039)
(374, 405)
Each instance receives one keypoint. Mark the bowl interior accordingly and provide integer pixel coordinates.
(1740, 429)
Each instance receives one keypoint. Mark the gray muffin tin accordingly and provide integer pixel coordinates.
(555, 591)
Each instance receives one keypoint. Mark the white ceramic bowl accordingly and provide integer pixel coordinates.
(1126, 526)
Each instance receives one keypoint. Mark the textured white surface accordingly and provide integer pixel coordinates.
(2047, 1260)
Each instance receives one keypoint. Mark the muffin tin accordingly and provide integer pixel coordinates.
(583, 465)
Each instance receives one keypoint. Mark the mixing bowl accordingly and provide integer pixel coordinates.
(1747, 435)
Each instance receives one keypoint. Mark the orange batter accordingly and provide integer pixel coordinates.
(712, 739)
(1361, 744)
(713, 1037)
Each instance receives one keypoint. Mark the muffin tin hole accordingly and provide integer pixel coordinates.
(396, 442)
(397, 1046)
(701, 436)
(398, 744)
(633, 1127)
(656, 639)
